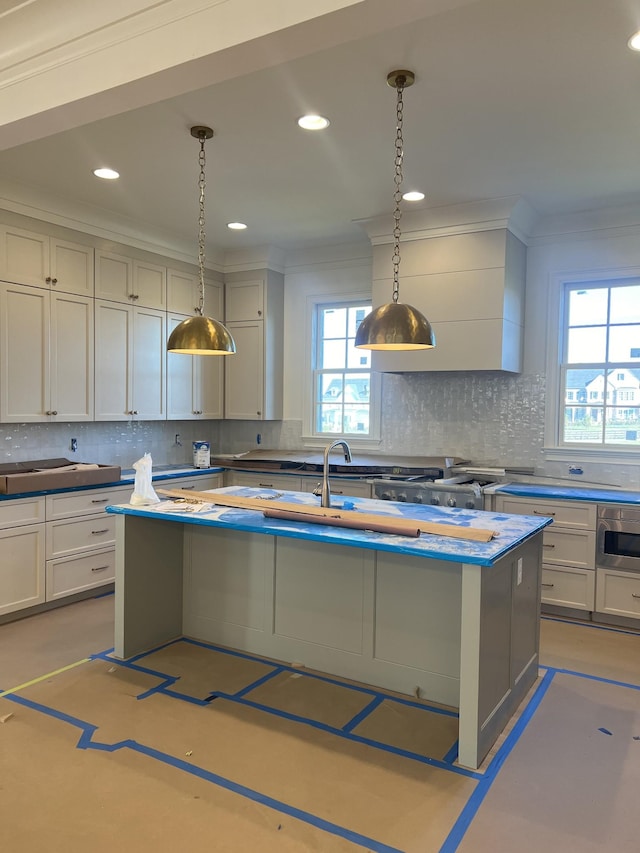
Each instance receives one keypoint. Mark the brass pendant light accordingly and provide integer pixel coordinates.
(201, 335)
(396, 326)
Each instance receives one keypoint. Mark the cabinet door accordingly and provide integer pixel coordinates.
(148, 376)
(149, 287)
(182, 292)
(71, 267)
(113, 274)
(180, 380)
(244, 373)
(209, 386)
(72, 355)
(24, 256)
(24, 366)
(112, 373)
(22, 567)
(244, 300)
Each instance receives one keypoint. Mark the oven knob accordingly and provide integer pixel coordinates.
(417, 499)
(402, 497)
(435, 501)
(451, 502)
(385, 496)
(470, 505)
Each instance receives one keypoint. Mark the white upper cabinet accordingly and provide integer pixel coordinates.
(194, 383)
(130, 362)
(183, 295)
(46, 371)
(27, 257)
(120, 278)
(245, 300)
(253, 376)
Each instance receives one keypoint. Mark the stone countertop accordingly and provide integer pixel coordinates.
(569, 493)
(512, 530)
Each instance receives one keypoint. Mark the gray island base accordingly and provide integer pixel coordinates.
(451, 621)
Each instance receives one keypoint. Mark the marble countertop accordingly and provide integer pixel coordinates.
(511, 530)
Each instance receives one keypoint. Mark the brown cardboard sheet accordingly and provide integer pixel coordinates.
(41, 475)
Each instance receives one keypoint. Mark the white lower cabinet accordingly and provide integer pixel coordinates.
(568, 548)
(22, 554)
(618, 593)
(286, 482)
(80, 540)
(568, 587)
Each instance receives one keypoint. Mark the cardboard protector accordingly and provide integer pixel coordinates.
(41, 475)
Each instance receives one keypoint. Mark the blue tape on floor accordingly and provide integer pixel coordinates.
(355, 721)
(86, 741)
(484, 785)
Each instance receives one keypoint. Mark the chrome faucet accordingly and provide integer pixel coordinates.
(323, 490)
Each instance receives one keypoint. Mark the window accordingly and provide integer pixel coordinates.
(600, 365)
(343, 398)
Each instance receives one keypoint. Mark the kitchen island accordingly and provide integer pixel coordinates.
(449, 620)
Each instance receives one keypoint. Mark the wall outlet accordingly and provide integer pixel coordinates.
(73, 446)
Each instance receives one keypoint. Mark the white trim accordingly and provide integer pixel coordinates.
(554, 450)
(309, 437)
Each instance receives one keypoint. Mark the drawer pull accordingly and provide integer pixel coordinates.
(548, 545)
(100, 501)
(635, 595)
(266, 485)
(100, 568)
(98, 532)
(186, 488)
(548, 585)
(547, 514)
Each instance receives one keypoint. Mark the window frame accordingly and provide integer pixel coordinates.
(310, 436)
(557, 318)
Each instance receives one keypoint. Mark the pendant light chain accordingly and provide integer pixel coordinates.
(201, 234)
(397, 195)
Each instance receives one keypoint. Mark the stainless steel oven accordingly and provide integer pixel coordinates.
(618, 537)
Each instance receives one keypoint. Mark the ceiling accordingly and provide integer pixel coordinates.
(528, 98)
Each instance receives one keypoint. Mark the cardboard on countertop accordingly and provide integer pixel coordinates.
(41, 475)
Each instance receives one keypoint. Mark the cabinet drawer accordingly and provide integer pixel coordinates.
(618, 593)
(568, 587)
(69, 537)
(75, 574)
(265, 481)
(352, 488)
(21, 511)
(90, 502)
(198, 484)
(581, 516)
(569, 548)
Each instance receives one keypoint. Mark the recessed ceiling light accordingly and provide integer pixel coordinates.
(414, 195)
(312, 122)
(634, 41)
(106, 174)
(236, 226)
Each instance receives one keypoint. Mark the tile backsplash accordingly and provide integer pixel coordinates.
(492, 419)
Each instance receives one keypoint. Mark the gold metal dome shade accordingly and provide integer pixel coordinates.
(201, 336)
(395, 326)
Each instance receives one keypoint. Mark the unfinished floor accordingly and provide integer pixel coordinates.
(201, 748)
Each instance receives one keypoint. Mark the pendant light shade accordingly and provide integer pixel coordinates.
(395, 326)
(201, 335)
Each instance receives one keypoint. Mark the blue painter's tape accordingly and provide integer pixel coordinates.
(364, 713)
(451, 756)
(605, 731)
(86, 742)
(482, 789)
(276, 671)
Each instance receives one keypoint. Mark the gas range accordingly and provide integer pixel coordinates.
(460, 491)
